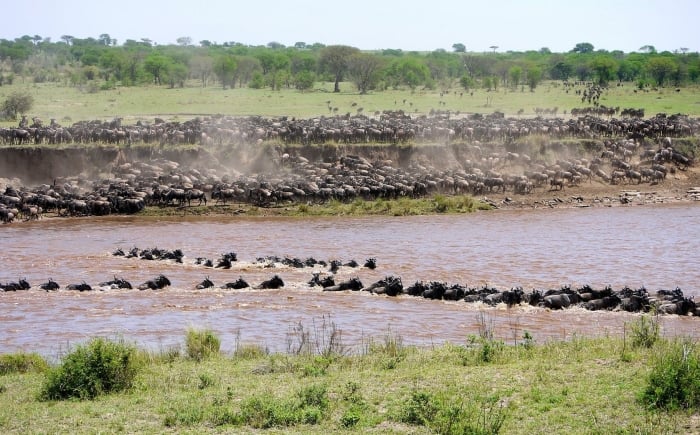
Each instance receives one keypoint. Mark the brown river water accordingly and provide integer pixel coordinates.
(652, 246)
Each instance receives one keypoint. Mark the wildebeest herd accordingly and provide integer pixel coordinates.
(484, 156)
(323, 276)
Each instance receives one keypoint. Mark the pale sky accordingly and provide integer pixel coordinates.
(409, 25)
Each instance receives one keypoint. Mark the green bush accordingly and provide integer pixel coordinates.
(450, 413)
(674, 381)
(99, 367)
(645, 331)
(202, 344)
(264, 412)
(22, 363)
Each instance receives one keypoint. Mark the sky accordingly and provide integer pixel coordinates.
(510, 25)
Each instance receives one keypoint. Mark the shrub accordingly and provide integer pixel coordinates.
(17, 103)
(450, 413)
(674, 381)
(201, 344)
(22, 363)
(309, 407)
(645, 331)
(99, 367)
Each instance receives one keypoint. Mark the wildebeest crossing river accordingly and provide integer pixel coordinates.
(651, 246)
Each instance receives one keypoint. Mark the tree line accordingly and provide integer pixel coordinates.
(101, 63)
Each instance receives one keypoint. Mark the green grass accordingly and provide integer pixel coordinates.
(579, 386)
(69, 104)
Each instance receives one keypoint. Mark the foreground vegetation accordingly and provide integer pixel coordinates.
(639, 384)
(438, 204)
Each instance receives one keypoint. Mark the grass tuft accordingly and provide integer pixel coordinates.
(202, 344)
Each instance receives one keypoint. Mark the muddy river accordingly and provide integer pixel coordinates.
(655, 247)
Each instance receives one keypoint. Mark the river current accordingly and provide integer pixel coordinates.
(652, 246)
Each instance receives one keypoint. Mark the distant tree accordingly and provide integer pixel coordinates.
(68, 39)
(247, 68)
(494, 48)
(560, 71)
(650, 49)
(300, 45)
(334, 60)
(545, 50)
(605, 68)
(458, 47)
(106, 40)
(583, 47)
(177, 74)
(225, 69)
(661, 68)
(363, 70)
(157, 65)
(202, 66)
(534, 76)
(275, 45)
(17, 103)
(515, 74)
(205, 43)
(184, 41)
(466, 82)
(304, 80)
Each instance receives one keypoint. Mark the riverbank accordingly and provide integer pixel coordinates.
(579, 386)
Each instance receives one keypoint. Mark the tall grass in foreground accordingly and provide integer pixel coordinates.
(481, 386)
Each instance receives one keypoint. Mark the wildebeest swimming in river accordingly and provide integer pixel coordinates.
(22, 284)
(238, 284)
(273, 283)
(50, 285)
(83, 287)
(161, 281)
(207, 283)
(117, 283)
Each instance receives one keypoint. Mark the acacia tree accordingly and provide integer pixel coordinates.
(157, 65)
(16, 103)
(605, 68)
(334, 60)
(515, 74)
(534, 76)
(225, 69)
(363, 70)
(661, 68)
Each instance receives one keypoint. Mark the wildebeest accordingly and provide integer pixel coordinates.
(273, 283)
(160, 282)
(238, 284)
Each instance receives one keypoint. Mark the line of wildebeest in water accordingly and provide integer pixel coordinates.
(473, 167)
(323, 276)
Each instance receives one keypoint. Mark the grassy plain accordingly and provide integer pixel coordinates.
(70, 104)
(582, 386)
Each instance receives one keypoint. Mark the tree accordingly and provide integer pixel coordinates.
(494, 48)
(157, 65)
(17, 103)
(300, 45)
(304, 80)
(458, 47)
(184, 41)
(334, 60)
(177, 74)
(604, 68)
(650, 49)
(202, 66)
(68, 39)
(661, 68)
(515, 74)
(534, 76)
(583, 47)
(225, 69)
(363, 70)
(247, 68)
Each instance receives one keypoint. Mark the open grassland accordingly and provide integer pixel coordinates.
(69, 104)
(480, 386)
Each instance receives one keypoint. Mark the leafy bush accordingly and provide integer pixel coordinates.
(17, 103)
(202, 344)
(674, 381)
(450, 413)
(99, 367)
(645, 331)
(309, 407)
(22, 363)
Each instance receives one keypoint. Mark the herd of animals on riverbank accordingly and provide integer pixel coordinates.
(323, 276)
(485, 158)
